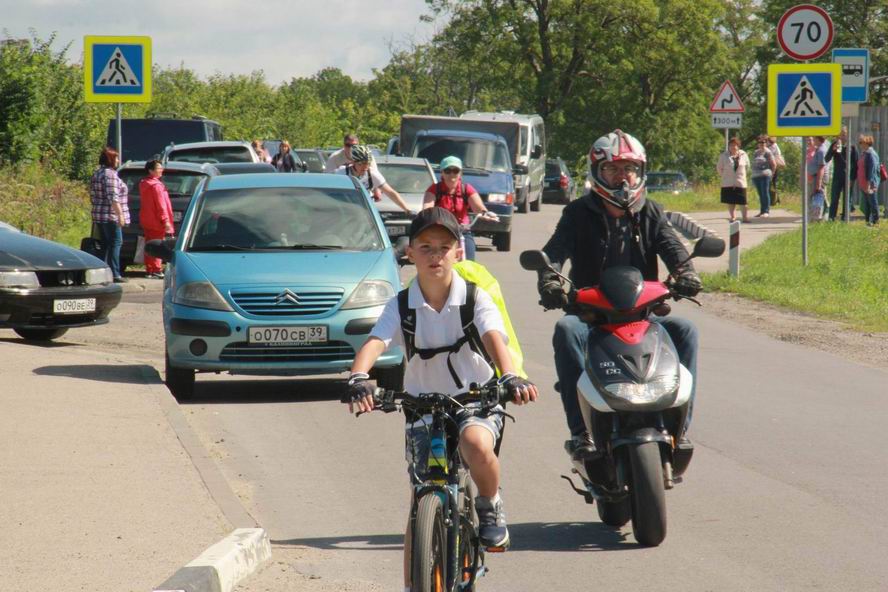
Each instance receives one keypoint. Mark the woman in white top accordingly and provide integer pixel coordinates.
(732, 167)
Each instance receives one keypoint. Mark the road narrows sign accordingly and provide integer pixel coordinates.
(726, 100)
(805, 32)
(117, 69)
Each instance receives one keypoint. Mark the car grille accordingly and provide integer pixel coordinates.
(51, 320)
(331, 351)
(286, 302)
(55, 279)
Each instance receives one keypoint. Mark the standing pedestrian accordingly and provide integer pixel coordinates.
(110, 213)
(815, 168)
(284, 161)
(781, 163)
(837, 153)
(868, 179)
(732, 166)
(156, 213)
(763, 167)
(259, 147)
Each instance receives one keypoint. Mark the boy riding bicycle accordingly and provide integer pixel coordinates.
(447, 362)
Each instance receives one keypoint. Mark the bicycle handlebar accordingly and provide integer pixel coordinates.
(489, 397)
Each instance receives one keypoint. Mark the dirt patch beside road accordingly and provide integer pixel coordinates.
(869, 349)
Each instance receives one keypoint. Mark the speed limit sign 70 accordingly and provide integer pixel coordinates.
(805, 32)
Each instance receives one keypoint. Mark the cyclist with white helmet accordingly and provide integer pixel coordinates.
(614, 224)
(370, 177)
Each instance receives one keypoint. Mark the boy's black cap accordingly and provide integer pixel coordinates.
(434, 217)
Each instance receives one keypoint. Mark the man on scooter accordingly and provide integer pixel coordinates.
(614, 224)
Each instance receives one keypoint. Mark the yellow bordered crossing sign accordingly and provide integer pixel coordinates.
(804, 99)
(117, 69)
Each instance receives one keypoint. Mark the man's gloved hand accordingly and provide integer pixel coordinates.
(552, 294)
(360, 393)
(688, 284)
(521, 389)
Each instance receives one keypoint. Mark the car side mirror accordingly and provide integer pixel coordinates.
(709, 246)
(534, 260)
(161, 248)
(520, 169)
(537, 151)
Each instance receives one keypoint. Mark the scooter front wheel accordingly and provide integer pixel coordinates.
(647, 493)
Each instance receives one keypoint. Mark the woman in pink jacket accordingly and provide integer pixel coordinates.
(156, 216)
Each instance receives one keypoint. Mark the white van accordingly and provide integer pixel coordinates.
(531, 153)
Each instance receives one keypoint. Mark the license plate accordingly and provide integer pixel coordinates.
(287, 335)
(396, 230)
(74, 306)
(177, 216)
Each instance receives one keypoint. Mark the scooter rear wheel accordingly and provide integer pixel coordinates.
(647, 493)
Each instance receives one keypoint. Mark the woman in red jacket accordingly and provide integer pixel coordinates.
(156, 216)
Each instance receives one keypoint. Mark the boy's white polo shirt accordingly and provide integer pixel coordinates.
(434, 329)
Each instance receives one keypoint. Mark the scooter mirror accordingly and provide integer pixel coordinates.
(534, 260)
(709, 246)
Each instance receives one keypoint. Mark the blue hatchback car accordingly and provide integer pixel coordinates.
(276, 275)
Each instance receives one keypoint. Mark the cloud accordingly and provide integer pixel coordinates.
(285, 39)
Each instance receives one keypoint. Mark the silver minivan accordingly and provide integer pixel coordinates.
(531, 153)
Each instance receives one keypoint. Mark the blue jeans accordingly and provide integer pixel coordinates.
(872, 205)
(112, 240)
(569, 341)
(470, 245)
(763, 186)
(836, 196)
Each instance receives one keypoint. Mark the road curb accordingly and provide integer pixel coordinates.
(688, 225)
(224, 565)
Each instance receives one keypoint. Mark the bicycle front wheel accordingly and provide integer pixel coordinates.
(429, 546)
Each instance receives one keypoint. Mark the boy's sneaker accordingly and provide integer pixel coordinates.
(492, 528)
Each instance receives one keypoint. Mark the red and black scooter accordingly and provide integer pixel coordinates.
(634, 394)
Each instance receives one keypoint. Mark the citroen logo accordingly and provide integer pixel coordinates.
(285, 296)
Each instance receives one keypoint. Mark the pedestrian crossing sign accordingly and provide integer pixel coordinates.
(117, 69)
(804, 99)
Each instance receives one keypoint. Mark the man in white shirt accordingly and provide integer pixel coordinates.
(343, 156)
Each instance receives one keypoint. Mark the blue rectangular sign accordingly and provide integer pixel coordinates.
(117, 69)
(804, 99)
(855, 73)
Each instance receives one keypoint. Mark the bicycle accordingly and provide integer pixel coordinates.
(446, 550)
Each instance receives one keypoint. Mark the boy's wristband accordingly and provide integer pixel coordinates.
(357, 377)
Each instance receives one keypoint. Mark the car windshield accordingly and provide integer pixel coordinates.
(178, 183)
(666, 179)
(475, 154)
(410, 178)
(283, 218)
(313, 160)
(213, 154)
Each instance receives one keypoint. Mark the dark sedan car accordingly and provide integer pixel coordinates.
(313, 158)
(667, 181)
(47, 288)
(558, 184)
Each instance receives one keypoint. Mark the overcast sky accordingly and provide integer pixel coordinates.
(284, 39)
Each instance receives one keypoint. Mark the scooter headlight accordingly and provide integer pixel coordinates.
(644, 393)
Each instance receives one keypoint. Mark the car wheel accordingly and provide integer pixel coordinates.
(40, 334)
(535, 206)
(503, 241)
(524, 206)
(180, 381)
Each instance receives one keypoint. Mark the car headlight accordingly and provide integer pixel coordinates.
(369, 293)
(18, 279)
(644, 393)
(500, 198)
(201, 295)
(101, 275)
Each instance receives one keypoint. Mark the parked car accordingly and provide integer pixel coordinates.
(211, 152)
(667, 181)
(144, 139)
(410, 177)
(276, 275)
(243, 168)
(558, 185)
(181, 180)
(47, 288)
(313, 158)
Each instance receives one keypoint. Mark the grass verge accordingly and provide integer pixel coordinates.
(707, 198)
(846, 278)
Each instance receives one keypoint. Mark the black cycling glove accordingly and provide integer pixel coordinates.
(513, 382)
(359, 386)
(551, 294)
(688, 283)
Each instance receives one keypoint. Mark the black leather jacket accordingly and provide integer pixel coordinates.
(582, 236)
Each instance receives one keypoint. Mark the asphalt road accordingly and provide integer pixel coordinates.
(785, 491)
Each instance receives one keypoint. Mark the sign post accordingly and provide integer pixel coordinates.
(855, 90)
(727, 109)
(117, 70)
